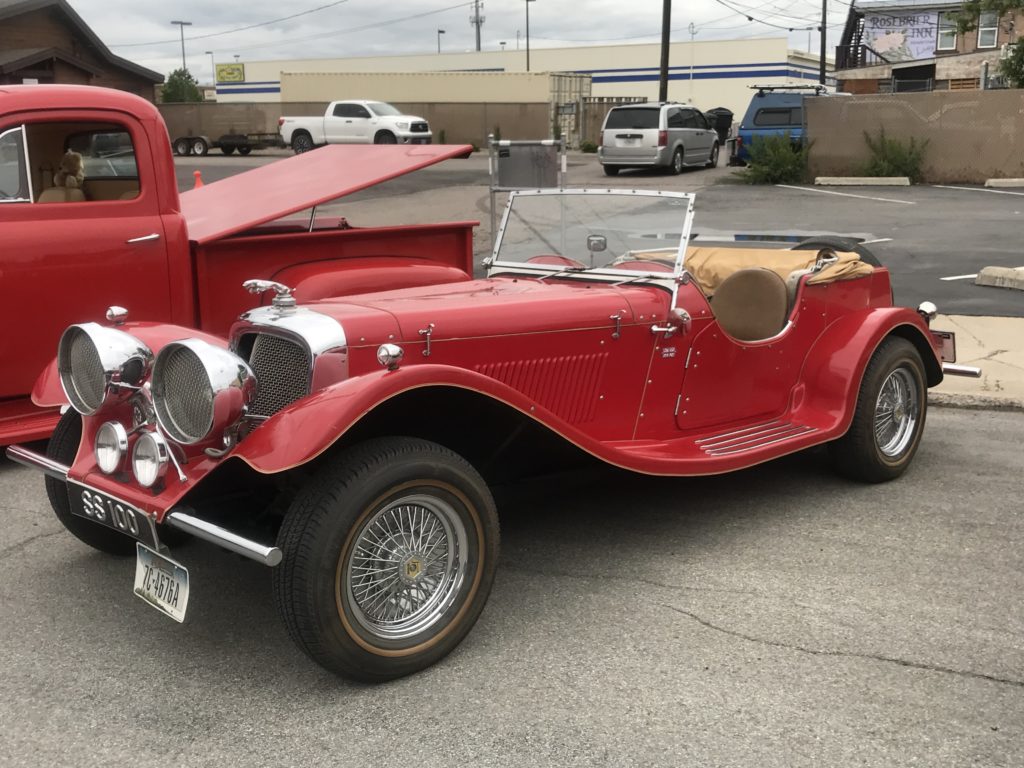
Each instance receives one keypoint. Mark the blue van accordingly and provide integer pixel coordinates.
(774, 110)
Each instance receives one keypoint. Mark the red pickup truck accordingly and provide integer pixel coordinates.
(124, 236)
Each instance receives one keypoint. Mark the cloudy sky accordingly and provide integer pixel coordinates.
(268, 29)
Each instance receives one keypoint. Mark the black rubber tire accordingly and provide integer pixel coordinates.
(311, 588)
(62, 447)
(385, 137)
(227, 150)
(856, 454)
(611, 170)
(244, 150)
(713, 160)
(302, 142)
(677, 162)
(200, 148)
(182, 147)
(838, 244)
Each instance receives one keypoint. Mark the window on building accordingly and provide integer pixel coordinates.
(947, 32)
(988, 29)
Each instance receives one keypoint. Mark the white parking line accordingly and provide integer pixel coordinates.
(980, 189)
(847, 194)
(960, 277)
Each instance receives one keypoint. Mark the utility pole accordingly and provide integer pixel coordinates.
(477, 20)
(824, 34)
(182, 25)
(528, 33)
(666, 25)
(693, 32)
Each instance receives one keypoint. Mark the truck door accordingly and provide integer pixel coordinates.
(338, 124)
(73, 248)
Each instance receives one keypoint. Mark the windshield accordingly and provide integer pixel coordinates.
(595, 230)
(383, 109)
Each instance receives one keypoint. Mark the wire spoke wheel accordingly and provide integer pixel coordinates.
(406, 566)
(896, 412)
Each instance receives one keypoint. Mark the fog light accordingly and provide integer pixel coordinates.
(111, 447)
(149, 458)
(389, 355)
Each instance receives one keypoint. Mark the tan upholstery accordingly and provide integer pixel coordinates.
(61, 195)
(751, 304)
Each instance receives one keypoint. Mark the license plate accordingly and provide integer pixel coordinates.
(629, 142)
(111, 512)
(947, 345)
(161, 582)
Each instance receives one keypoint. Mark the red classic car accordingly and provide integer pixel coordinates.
(360, 433)
(123, 235)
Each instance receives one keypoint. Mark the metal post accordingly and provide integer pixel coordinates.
(528, 34)
(693, 33)
(824, 35)
(213, 67)
(476, 21)
(666, 24)
(439, 33)
(181, 26)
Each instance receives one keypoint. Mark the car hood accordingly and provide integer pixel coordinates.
(502, 307)
(232, 205)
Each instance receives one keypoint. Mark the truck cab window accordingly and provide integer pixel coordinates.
(14, 179)
(82, 162)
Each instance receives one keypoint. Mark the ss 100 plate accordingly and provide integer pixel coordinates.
(113, 513)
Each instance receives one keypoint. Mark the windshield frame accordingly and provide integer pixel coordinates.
(493, 263)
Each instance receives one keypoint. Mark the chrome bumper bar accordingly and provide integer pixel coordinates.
(961, 370)
(178, 517)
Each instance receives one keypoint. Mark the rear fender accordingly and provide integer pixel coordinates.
(319, 280)
(826, 393)
(303, 431)
(49, 392)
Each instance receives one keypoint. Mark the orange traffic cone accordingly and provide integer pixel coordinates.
(199, 180)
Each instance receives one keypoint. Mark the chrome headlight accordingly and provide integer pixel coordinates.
(92, 358)
(111, 446)
(199, 389)
(149, 458)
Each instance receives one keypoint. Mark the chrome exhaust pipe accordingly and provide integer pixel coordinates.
(961, 370)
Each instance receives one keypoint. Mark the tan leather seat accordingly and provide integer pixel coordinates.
(751, 304)
(61, 195)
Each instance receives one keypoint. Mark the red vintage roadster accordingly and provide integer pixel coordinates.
(359, 433)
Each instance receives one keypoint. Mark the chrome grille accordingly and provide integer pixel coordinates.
(419, 128)
(282, 369)
(87, 370)
(183, 396)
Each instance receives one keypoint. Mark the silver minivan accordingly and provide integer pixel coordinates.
(666, 135)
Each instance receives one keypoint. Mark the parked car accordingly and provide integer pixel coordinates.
(354, 122)
(349, 442)
(126, 237)
(774, 110)
(662, 135)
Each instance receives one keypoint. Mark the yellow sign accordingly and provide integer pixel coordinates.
(231, 73)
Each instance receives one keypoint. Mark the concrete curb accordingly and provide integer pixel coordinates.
(862, 181)
(1004, 182)
(974, 402)
(1001, 277)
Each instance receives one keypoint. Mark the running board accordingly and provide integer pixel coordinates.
(752, 438)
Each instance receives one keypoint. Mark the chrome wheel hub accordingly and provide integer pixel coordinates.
(896, 412)
(406, 566)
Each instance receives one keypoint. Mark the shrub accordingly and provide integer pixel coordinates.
(588, 146)
(776, 160)
(441, 137)
(891, 157)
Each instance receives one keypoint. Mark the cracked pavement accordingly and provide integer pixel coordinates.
(774, 617)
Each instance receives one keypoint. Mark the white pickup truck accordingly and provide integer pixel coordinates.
(354, 122)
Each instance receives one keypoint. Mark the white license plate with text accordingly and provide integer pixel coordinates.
(161, 582)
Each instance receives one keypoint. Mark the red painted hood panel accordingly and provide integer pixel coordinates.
(232, 205)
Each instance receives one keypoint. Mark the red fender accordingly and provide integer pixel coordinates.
(49, 392)
(826, 393)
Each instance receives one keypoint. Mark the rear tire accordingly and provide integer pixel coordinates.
(846, 244)
(227, 150)
(713, 160)
(389, 555)
(182, 147)
(302, 142)
(63, 447)
(677, 161)
(200, 147)
(892, 404)
(244, 150)
(611, 170)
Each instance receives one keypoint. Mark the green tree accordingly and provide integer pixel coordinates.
(181, 86)
(1012, 67)
(967, 18)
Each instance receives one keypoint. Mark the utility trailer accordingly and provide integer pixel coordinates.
(227, 143)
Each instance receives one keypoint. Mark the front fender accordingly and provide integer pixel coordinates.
(826, 393)
(49, 392)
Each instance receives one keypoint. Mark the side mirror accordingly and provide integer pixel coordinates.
(597, 243)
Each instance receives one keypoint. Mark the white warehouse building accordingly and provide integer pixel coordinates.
(708, 74)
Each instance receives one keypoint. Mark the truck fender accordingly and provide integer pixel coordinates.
(343, 277)
(49, 392)
(826, 392)
(304, 430)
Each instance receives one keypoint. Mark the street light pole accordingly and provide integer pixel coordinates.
(213, 67)
(824, 32)
(181, 26)
(439, 33)
(528, 34)
(666, 23)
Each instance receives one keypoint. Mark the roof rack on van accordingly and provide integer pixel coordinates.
(817, 88)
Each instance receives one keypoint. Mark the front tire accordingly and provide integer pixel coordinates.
(63, 447)
(889, 418)
(389, 556)
(385, 137)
